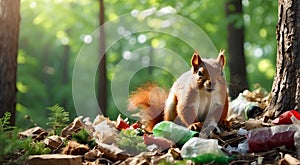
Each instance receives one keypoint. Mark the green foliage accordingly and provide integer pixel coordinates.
(180, 162)
(35, 148)
(83, 137)
(58, 118)
(131, 142)
(9, 142)
(4, 122)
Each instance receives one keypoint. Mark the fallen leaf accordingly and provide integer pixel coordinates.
(74, 148)
(112, 152)
(37, 133)
(74, 127)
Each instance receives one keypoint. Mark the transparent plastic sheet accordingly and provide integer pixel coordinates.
(202, 150)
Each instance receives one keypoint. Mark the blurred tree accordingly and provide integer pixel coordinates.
(45, 63)
(102, 87)
(286, 85)
(9, 34)
(65, 68)
(235, 39)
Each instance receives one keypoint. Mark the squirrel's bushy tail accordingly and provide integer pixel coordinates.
(150, 99)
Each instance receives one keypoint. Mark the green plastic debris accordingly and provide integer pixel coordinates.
(169, 130)
(202, 150)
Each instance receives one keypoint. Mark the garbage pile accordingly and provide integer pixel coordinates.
(249, 140)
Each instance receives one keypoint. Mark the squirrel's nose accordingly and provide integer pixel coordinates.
(210, 84)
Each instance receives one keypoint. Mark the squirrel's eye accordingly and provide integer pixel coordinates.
(200, 73)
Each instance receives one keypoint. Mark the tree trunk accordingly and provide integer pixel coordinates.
(102, 92)
(235, 40)
(9, 34)
(65, 69)
(286, 86)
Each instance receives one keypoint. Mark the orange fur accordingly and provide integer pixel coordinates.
(151, 100)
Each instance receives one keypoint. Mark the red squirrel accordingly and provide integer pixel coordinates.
(197, 95)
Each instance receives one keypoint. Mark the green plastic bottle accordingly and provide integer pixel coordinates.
(169, 130)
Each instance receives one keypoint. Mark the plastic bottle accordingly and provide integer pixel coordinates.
(169, 130)
(264, 139)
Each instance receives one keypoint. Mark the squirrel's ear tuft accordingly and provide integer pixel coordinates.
(196, 60)
(221, 58)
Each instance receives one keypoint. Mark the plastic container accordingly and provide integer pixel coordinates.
(169, 130)
(252, 110)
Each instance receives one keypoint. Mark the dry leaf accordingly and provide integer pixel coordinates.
(74, 127)
(93, 155)
(74, 148)
(112, 152)
(54, 142)
(37, 133)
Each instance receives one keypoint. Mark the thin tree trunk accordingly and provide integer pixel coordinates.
(102, 91)
(9, 34)
(65, 71)
(286, 86)
(65, 68)
(235, 40)
(45, 74)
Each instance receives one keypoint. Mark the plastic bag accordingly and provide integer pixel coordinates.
(263, 139)
(202, 150)
(174, 132)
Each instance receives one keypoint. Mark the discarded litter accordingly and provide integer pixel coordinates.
(202, 150)
(286, 117)
(264, 139)
(174, 132)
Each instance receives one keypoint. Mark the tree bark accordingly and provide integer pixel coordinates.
(9, 34)
(285, 94)
(235, 40)
(102, 81)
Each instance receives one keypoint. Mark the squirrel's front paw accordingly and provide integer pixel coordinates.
(196, 126)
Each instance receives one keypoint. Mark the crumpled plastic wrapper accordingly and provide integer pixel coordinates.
(104, 130)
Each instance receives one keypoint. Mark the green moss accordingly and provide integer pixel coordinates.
(83, 137)
(131, 142)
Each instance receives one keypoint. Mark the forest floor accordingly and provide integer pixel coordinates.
(102, 141)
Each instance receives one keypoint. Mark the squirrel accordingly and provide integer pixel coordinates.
(196, 96)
